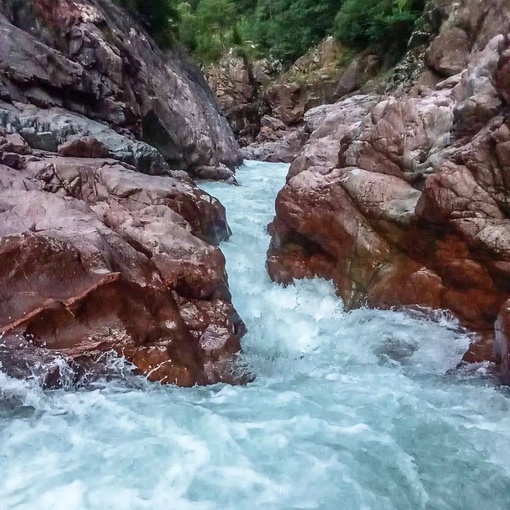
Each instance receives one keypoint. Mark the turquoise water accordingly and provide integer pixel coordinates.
(349, 411)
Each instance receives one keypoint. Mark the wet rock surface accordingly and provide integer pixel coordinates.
(107, 246)
(404, 200)
(63, 62)
(98, 258)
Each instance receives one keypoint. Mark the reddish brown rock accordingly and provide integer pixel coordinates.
(287, 102)
(404, 200)
(237, 83)
(358, 72)
(448, 53)
(83, 147)
(98, 258)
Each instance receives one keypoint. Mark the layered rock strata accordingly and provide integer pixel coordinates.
(404, 200)
(98, 258)
(72, 60)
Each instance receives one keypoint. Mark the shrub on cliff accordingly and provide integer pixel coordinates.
(160, 18)
(361, 23)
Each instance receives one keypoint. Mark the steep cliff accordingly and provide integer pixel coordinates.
(403, 199)
(98, 257)
(88, 58)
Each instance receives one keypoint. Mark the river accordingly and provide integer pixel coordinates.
(349, 411)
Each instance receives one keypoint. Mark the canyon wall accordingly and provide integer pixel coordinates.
(108, 248)
(402, 199)
(90, 59)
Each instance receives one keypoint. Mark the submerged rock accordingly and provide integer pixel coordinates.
(404, 200)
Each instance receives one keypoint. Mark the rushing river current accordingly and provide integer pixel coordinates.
(349, 411)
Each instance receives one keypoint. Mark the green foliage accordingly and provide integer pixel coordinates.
(282, 30)
(388, 22)
(286, 29)
(187, 26)
(160, 18)
(207, 29)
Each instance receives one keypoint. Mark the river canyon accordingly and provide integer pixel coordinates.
(361, 409)
(254, 261)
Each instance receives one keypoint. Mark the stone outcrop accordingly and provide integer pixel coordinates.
(404, 200)
(107, 246)
(98, 258)
(276, 145)
(238, 85)
(252, 92)
(311, 81)
(65, 61)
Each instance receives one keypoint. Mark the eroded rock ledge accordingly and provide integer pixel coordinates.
(405, 200)
(97, 257)
(70, 60)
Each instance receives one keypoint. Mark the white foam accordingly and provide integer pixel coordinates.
(349, 410)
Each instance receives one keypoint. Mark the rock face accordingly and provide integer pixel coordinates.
(65, 61)
(98, 258)
(238, 86)
(252, 92)
(106, 244)
(404, 200)
(311, 81)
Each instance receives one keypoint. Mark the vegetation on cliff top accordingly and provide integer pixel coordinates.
(160, 18)
(278, 29)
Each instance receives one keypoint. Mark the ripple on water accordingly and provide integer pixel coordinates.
(358, 410)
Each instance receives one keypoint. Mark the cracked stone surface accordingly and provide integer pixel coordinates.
(98, 258)
(403, 201)
(85, 68)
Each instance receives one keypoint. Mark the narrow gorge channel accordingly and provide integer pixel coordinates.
(358, 410)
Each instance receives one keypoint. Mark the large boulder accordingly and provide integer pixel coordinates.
(98, 258)
(90, 59)
(406, 201)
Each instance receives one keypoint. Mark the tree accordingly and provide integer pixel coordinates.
(364, 22)
(209, 28)
(286, 29)
(160, 18)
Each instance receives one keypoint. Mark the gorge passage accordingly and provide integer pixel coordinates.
(364, 409)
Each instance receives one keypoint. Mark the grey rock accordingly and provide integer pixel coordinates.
(91, 59)
(48, 129)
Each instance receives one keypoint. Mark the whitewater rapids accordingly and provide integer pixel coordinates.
(349, 411)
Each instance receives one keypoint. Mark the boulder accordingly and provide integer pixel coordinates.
(359, 70)
(83, 147)
(448, 53)
(403, 200)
